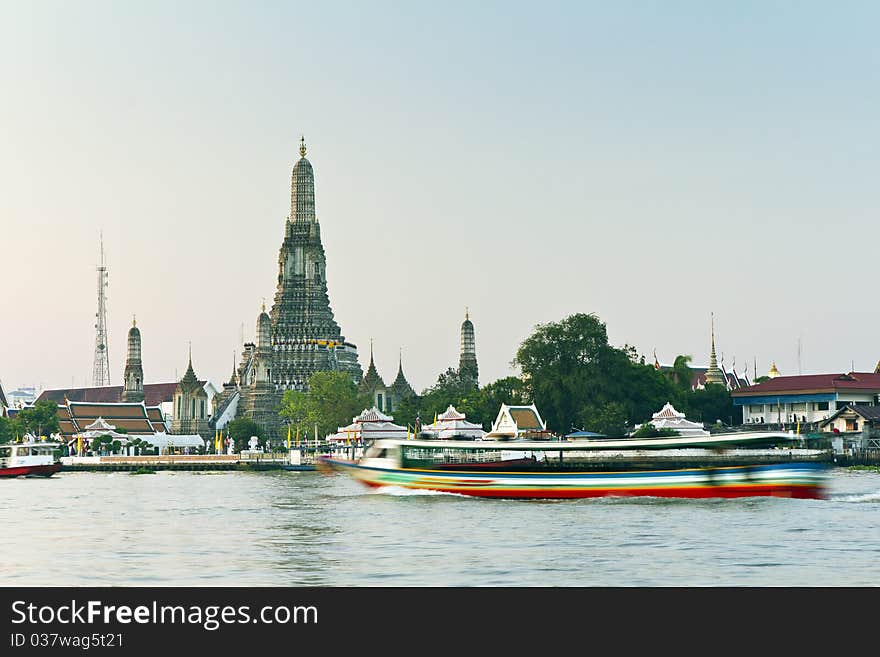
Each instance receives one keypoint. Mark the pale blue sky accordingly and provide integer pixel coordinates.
(651, 162)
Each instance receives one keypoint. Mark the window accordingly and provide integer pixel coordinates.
(202, 404)
(193, 408)
(822, 406)
(759, 408)
(799, 407)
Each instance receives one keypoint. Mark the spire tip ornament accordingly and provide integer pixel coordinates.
(302, 146)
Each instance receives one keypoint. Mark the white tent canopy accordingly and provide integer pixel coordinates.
(669, 418)
(101, 427)
(453, 424)
(370, 425)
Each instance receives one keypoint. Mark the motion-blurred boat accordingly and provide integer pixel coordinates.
(721, 465)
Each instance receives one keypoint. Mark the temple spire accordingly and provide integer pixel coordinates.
(302, 188)
(467, 360)
(133, 388)
(714, 374)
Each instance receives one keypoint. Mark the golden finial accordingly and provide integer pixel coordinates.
(302, 146)
(466, 314)
(134, 320)
(264, 305)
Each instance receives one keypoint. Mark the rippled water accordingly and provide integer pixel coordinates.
(312, 529)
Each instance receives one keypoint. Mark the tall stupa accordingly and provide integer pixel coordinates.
(299, 335)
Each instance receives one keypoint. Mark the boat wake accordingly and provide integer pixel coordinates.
(864, 497)
(400, 491)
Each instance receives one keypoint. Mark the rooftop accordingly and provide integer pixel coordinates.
(813, 383)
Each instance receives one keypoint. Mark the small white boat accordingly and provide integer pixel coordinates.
(31, 459)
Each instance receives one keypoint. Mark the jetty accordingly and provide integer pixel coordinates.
(296, 460)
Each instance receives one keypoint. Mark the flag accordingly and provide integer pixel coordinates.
(288, 436)
(297, 436)
(216, 441)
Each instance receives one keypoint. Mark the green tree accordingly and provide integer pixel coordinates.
(240, 431)
(711, 404)
(450, 389)
(682, 374)
(7, 430)
(509, 390)
(574, 374)
(648, 430)
(39, 420)
(608, 418)
(332, 400)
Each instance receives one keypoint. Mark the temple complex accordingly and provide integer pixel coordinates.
(152, 404)
(299, 336)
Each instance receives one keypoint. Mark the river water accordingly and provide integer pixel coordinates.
(315, 529)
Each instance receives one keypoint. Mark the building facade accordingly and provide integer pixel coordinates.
(191, 406)
(806, 399)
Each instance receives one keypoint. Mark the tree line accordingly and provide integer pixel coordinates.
(576, 378)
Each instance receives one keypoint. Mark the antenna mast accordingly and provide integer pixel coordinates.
(101, 370)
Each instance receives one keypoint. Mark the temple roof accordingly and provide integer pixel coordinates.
(371, 379)
(373, 415)
(189, 381)
(668, 411)
(871, 413)
(813, 383)
(401, 386)
(154, 393)
(129, 416)
(451, 414)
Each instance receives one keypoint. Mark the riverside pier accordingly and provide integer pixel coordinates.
(295, 460)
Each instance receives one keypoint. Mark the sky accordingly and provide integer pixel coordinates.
(649, 162)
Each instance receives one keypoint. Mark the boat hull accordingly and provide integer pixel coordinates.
(794, 480)
(30, 470)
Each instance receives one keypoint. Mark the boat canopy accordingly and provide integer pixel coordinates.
(717, 441)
